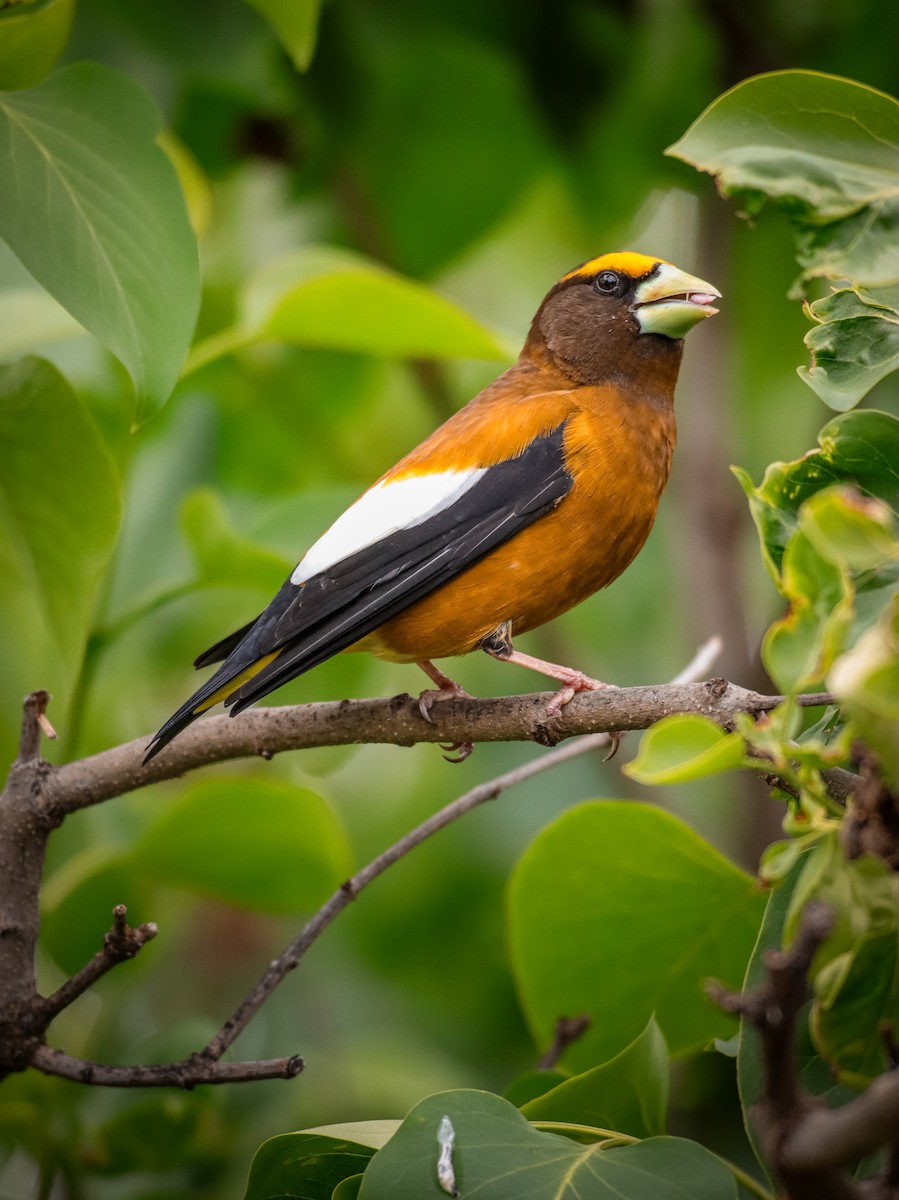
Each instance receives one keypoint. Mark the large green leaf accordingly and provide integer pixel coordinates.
(93, 209)
(619, 910)
(59, 518)
(497, 1155)
(296, 24)
(824, 149)
(305, 1166)
(267, 845)
(628, 1094)
(333, 299)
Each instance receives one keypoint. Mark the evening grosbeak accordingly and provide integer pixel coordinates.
(540, 491)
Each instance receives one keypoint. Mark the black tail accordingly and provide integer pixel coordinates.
(220, 651)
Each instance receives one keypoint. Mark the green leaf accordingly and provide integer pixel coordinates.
(825, 150)
(683, 747)
(348, 1189)
(866, 679)
(499, 1156)
(267, 845)
(93, 209)
(304, 1166)
(853, 531)
(860, 449)
(32, 37)
(333, 299)
(628, 1094)
(366, 1133)
(800, 648)
(855, 344)
(857, 995)
(624, 883)
(59, 519)
(531, 1084)
(223, 557)
(296, 24)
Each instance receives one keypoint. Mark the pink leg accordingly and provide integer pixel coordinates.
(572, 681)
(447, 689)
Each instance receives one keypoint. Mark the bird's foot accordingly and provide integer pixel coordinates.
(572, 683)
(446, 689)
(499, 645)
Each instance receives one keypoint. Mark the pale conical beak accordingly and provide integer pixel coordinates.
(671, 302)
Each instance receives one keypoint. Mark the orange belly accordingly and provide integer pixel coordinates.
(620, 467)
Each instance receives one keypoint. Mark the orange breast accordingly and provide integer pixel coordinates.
(618, 451)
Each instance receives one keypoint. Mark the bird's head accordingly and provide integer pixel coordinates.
(620, 311)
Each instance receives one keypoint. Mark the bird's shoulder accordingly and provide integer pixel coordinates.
(523, 404)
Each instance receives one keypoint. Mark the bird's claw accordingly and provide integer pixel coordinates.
(615, 736)
(456, 752)
(572, 683)
(430, 696)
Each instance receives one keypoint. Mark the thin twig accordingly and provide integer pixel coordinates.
(119, 944)
(186, 1074)
(567, 1031)
(348, 891)
(33, 709)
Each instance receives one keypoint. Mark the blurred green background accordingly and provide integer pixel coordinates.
(483, 149)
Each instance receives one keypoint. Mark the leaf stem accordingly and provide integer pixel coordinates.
(218, 345)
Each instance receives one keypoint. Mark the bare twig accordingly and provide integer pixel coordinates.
(565, 1034)
(349, 890)
(186, 1074)
(120, 943)
(34, 721)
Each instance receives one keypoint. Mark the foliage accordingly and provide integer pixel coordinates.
(372, 235)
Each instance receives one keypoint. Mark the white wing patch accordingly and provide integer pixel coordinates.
(382, 510)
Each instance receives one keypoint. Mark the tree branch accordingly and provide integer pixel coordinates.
(120, 943)
(41, 796)
(810, 1146)
(268, 731)
(186, 1074)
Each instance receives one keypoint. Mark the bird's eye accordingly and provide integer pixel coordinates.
(606, 282)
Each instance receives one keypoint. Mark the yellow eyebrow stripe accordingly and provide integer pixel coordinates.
(628, 262)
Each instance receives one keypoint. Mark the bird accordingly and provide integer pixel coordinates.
(540, 491)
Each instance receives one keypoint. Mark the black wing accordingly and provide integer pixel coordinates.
(306, 624)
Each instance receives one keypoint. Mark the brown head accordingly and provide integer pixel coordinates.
(620, 319)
